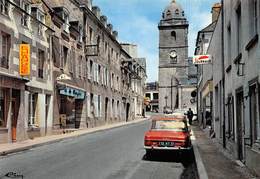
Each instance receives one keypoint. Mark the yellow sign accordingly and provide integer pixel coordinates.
(24, 59)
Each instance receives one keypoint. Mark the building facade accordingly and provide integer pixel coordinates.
(26, 101)
(80, 75)
(152, 95)
(235, 92)
(174, 87)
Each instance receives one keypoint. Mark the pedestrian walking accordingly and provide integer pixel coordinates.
(190, 115)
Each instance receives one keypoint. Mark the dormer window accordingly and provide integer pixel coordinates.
(40, 17)
(66, 25)
(4, 7)
(25, 17)
(177, 12)
(183, 14)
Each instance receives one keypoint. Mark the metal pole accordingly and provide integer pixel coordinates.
(171, 92)
(223, 73)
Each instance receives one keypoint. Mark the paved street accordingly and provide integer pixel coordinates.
(113, 154)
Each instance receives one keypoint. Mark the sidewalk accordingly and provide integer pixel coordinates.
(9, 148)
(211, 162)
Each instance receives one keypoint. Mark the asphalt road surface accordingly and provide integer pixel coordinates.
(112, 154)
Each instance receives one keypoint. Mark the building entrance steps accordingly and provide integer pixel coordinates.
(211, 162)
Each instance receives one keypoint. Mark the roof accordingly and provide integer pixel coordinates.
(173, 10)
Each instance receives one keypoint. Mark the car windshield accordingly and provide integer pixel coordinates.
(169, 125)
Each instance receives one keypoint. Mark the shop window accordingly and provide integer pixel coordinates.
(2, 109)
(32, 109)
(41, 58)
(6, 45)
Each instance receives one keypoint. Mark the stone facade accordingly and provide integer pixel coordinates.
(80, 74)
(236, 116)
(173, 59)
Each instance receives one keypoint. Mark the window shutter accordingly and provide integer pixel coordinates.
(88, 104)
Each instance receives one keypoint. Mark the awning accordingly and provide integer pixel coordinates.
(72, 91)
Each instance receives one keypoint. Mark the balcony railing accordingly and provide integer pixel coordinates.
(4, 62)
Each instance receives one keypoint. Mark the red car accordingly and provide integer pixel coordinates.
(168, 133)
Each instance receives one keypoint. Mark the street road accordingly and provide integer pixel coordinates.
(112, 154)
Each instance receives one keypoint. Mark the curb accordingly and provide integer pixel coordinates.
(28, 147)
(200, 166)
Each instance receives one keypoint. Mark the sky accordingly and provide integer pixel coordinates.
(137, 22)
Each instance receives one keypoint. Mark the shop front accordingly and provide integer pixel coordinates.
(11, 90)
(71, 106)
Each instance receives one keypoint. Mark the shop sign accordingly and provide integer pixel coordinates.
(25, 59)
(77, 94)
(202, 59)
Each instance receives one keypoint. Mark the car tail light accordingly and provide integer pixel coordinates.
(148, 142)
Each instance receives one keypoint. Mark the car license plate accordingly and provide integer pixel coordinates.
(166, 144)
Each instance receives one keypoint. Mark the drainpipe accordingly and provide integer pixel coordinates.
(223, 73)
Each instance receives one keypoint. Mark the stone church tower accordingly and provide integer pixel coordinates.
(173, 56)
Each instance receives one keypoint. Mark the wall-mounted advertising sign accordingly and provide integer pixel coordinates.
(25, 59)
(202, 59)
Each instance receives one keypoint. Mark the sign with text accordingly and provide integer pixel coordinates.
(202, 59)
(25, 59)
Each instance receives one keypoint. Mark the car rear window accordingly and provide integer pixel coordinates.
(169, 125)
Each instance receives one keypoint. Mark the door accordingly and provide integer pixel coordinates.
(106, 107)
(240, 131)
(14, 120)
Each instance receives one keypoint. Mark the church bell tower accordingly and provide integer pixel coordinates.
(173, 55)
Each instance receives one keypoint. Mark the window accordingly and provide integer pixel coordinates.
(80, 66)
(91, 70)
(253, 18)
(173, 34)
(253, 113)
(90, 35)
(32, 109)
(40, 17)
(229, 43)
(41, 58)
(71, 60)
(80, 34)
(239, 29)
(6, 45)
(177, 12)
(66, 24)
(65, 56)
(155, 96)
(99, 74)
(168, 13)
(4, 7)
(25, 16)
(99, 106)
(2, 109)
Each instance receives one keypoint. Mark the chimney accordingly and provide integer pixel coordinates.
(110, 27)
(96, 11)
(216, 8)
(115, 33)
(103, 20)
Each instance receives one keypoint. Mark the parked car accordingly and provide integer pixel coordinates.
(167, 133)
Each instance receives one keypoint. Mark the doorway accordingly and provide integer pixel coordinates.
(240, 119)
(14, 113)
